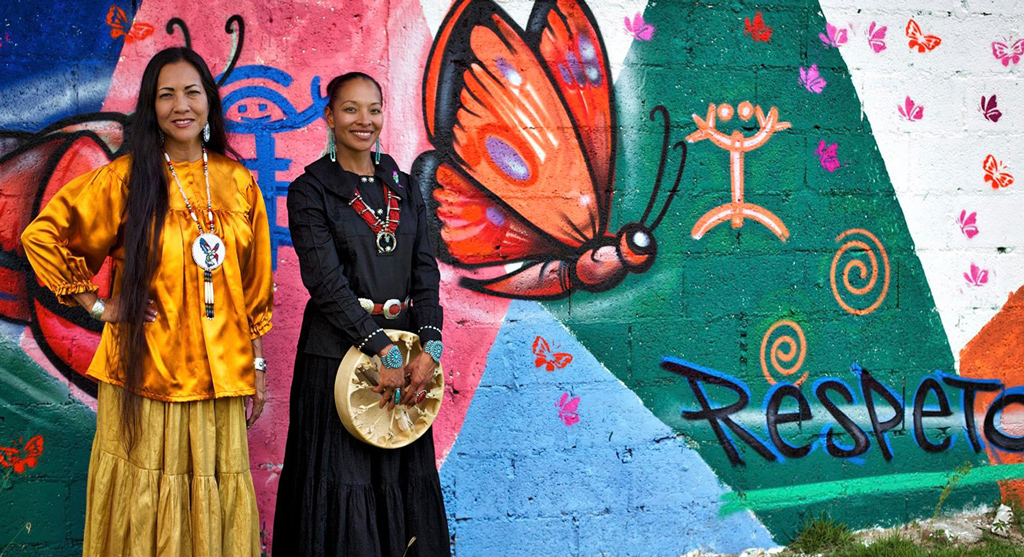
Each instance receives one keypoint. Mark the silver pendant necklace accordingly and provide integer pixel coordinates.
(208, 249)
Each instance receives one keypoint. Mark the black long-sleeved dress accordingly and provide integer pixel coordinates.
(338, 496)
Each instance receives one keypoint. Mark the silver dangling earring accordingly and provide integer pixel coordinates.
(206, 132)
(330, 146)
(376, 156)
(161, 132)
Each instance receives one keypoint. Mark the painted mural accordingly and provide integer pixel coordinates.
(711, 271)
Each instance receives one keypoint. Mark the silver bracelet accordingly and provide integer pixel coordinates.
(260, 364)
(97, 309)
(431, 327)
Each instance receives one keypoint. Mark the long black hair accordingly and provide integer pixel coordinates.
(144, 220)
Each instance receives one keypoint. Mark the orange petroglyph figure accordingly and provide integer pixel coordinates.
(737, 144)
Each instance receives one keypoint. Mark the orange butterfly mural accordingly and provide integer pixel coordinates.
(19, 459)
(919, 40)
(119, 27)
(995, 173)
(523, 127)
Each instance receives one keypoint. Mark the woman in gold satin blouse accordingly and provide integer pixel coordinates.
(180, 361)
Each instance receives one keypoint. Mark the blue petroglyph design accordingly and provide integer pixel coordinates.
(267, 163)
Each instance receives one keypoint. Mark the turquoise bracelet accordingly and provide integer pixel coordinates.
(393, 358)
(434, 348)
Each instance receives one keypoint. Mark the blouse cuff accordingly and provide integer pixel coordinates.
(428, 333)
(66, 292)
(260, 328)
(373, 344)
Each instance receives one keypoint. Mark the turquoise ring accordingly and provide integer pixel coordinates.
(398, 395)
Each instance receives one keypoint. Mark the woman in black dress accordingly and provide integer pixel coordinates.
(337, 495)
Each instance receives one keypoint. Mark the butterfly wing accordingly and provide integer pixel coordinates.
(541, 347)
(475, 227)
(565, 34)
(645, 34)
(495, 115)
(561, 359)
(139, 31)
(1002, 52)
(118, 22)
(538, 280)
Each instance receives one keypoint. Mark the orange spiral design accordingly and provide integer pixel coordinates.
(860, 267)
(785, 349)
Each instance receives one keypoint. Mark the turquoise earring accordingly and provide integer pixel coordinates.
(376, 156)
(330, 146)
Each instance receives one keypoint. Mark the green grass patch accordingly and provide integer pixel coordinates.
(895, 546)
(821, 534)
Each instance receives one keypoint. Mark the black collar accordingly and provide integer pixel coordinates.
(343, 183)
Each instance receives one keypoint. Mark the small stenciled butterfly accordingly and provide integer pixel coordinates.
(990, 109)
(1008, 54)
(19, 459)
(521, 178)
(546, 358)
(911, 111)
(758, 29)
(995, 173)
(876, 37)
(639, 29)
(977, 276)
(833, 36)
(119, 27)
(811, 79)
(828, 155)
(968, 224)
(568, 409)
(920, 41)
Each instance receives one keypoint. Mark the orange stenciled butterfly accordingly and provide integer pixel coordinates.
(548, 359)
(26, 457)
(995, 173)
(118, 22)
(523, 126)
(919, 40)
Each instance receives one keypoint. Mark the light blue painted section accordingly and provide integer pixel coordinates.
(519, 482)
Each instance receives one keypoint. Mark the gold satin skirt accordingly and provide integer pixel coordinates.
(185, 490)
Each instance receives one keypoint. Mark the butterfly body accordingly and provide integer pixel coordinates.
(119, 26)
(990, 109)
(828, 155)
(911, 111)
(1008, 52)
(757, 30)
(918, 40)
(20, 459)
(568, 409)
(995, 173)
(512, 114)
(876, 37)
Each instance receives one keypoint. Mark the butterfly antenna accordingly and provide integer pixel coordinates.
(661, 165)
(675, 187)
(180, 24)
(236, 28)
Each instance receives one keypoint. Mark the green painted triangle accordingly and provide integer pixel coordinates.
(711, 301)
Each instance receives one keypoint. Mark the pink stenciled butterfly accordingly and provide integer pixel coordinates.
(990, 109)
(567, 409)
(828, 155)
(833, 36)
(811, 79)
(1008, 54)
(876, 37)
(639, 28)
(977, 276)
(968, 224)
(911, 111)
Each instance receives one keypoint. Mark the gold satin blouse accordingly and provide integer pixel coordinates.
(189, 356)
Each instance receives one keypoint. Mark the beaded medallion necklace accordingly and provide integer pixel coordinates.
(208, 249)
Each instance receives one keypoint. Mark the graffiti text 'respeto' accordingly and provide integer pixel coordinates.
(830, 393)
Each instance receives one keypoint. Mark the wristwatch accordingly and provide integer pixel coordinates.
(260, 364)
